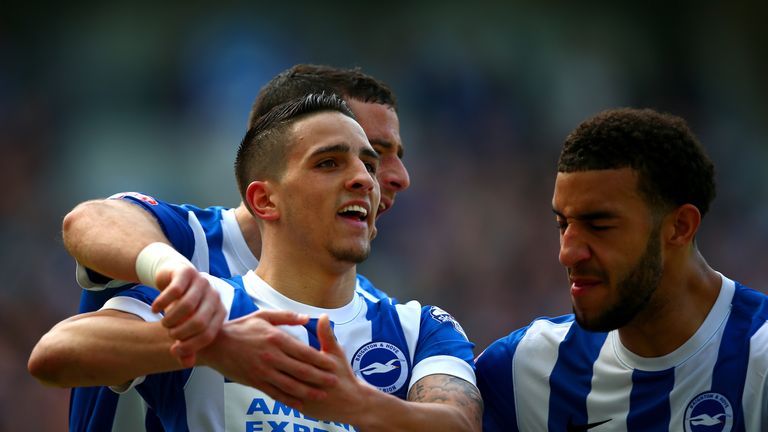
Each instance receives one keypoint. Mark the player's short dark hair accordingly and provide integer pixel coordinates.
(262, 152)
(303, 79)
(673, 167)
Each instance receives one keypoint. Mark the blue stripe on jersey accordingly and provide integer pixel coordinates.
(649, 408)
(159, 391)
(494, 379)
(386, 327)
(173, 220)
(142, 293)
(95, 407)
(241, 304)
(367, 286)
(730, 371)
(152, 423)
(571, 379)
(445, 330)
(311, 327)
(93, 300)
(210, 219)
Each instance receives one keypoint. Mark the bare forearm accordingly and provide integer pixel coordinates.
(441, 403)
(93, 349)
(107, 235)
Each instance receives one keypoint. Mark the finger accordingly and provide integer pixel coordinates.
(296, 388)
(291, 363)
(193, 344)
(187, 292)
(325, 335)
(163, 278)
(203, 334)
(279, 395)
(209, 314)
(187, 304)
(282, 317)
(169, 292)
(186, 361)
(305, 355)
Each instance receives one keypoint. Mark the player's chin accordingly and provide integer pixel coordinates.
(355, 254)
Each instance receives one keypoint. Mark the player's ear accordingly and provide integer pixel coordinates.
(683, 223)
(260, 199)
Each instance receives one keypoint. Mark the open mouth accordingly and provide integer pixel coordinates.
(355, 212)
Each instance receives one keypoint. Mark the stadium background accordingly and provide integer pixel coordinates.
(100, 98)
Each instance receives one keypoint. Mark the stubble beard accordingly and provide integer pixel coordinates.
(354, 255)
(634, 291)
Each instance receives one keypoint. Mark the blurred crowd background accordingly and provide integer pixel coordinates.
(102, 97)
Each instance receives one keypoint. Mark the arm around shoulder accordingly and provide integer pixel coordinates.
(107, 236)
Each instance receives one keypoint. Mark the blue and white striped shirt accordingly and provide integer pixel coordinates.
(553, 375)
(212, 240)
(390, 346)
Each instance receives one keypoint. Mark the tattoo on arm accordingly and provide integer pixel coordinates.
(450, 390)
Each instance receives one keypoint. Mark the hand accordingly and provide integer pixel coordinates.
(194, 312)
(252, 351)
(346, 401)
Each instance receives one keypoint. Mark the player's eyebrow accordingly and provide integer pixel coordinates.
(388, 145)
(332, 148)
(344, 148)
(589, 216)
(365, 151)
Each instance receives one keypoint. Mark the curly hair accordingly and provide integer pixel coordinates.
(673, 167)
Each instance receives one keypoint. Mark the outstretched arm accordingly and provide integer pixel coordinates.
(107, 235)
(111, 347)
(435, 402)
(106, 347)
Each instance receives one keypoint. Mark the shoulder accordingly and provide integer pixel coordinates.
(543, 333)
(370, 292)
(151, 203)
(751, 302)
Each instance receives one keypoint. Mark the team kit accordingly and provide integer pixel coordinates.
(254, 318)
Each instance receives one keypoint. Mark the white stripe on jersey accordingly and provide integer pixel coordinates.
(236, 252)
(133, 306)
(204, 396)
(128, 405)
(200, 257)
(603, 395)
(523, 369)
(368, 296)
(409, 319)
(755, 399)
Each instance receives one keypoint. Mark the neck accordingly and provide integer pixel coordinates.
(677, 309)
(249, 228)
(307, 277)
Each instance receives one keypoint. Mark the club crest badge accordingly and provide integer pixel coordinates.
(382, 365)
(708, 412)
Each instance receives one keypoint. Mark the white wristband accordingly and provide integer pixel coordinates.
(154, 257)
